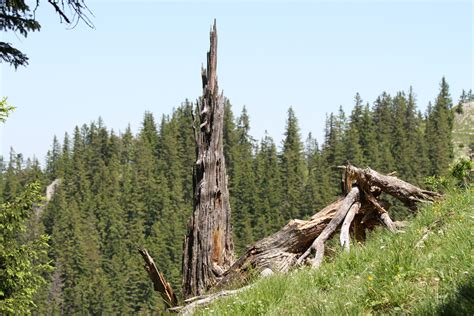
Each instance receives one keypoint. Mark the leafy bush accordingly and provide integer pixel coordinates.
(5, 109)
(437, 183)
(461, 172)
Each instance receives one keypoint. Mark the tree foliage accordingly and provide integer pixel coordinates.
(5, 110)
(18, 16)
(21, 253)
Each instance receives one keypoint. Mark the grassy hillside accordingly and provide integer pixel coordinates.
(405, 273)
(463, 131)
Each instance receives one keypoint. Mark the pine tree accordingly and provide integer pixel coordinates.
(439, 131)
(21, 257)
(368, 141)
(313, 198)
(230, 136)
(294, 172)
(382, 118)
(352, 139)
(53, 161)
(268, 192)
(333, 151)
(400, 143)
(12, 184)
(415, 155)
(242, 184)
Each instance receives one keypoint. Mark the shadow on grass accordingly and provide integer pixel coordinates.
(462, 303)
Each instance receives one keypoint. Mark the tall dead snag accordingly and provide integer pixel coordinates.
(208, 246)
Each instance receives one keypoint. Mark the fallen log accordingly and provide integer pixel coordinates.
(279, 252)
(360, 209)
(293, 244)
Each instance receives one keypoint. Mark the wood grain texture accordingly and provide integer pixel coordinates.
(208, 246)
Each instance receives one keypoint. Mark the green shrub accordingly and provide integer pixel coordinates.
(461, 172)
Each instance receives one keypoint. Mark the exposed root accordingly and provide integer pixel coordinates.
(345, 238)
(318, 244)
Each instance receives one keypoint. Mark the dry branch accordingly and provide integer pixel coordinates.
(159, 283)
(203, 300)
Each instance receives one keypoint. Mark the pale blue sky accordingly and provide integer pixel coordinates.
(314, 56)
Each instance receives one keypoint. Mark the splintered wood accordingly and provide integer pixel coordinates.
(208, 246)
(159, 283)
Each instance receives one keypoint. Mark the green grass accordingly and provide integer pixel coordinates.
(386, 275)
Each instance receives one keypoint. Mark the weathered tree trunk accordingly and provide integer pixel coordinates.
(208, 246)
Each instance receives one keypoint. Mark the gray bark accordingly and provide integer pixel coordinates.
(208, 246)
(159, 283)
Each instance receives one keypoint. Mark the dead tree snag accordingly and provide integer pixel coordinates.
(208, 246)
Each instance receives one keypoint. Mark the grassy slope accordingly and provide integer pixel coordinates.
(463, 130)
(386, 275)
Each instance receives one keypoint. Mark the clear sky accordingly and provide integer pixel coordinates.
(312, 55)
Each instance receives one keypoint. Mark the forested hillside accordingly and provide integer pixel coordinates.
(119, 191)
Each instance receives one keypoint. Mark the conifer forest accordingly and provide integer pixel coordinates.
(117, 191)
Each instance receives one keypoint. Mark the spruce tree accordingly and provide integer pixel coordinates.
(352, 139)
(382, 118)
(313, 200)
(293, 169)
(21, 257)
(242, 184)
(268, 189)
(439, 131)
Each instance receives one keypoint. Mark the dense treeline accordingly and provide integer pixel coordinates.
(121, 191)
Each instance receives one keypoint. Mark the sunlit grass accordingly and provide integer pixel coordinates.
(389, 274)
